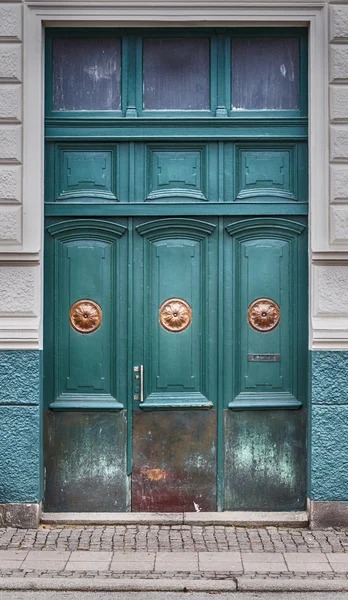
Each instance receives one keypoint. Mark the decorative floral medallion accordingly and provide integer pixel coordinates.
(85, 316)
(175, 315)
(263, 315)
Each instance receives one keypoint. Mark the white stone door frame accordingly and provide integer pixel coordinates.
(142, 13)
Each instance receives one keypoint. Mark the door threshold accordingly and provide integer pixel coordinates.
(227, 518)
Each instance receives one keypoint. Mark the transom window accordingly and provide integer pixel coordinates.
(176, 74)
(200, 72)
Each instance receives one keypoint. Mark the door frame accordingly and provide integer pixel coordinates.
(38, 14)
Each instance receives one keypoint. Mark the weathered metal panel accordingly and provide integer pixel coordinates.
(85, 462)
(174, 461)
(265, 460)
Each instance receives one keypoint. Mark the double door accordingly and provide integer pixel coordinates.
(176, 194)
(175, 363)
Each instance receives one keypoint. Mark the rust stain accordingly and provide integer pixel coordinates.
(154, 474)
(174, 466)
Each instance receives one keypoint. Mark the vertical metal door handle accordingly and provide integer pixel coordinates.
(139, 391)
(141, 383)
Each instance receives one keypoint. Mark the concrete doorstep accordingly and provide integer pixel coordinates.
(242, 584)
(238, 518)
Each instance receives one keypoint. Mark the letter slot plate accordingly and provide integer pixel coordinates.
(264, 357)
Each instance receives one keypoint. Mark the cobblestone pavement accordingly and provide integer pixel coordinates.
(174, 538)
(181, 552)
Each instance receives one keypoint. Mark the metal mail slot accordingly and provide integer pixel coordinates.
(263, 357)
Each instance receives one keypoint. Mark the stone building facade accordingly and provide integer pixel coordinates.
(22, 30)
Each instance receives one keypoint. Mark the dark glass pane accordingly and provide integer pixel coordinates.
(265, 74)
(176, 74)
(87, 74)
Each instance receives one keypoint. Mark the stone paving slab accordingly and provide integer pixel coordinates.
(316, 562)
(10, 564)
(263, 562)
(135, 561)
(53, 561)
(18, 555)
(338, 562)
(50, 565)
(90, 556)
(88, 566)
(220, 561)
(176, 561)
(50, 562)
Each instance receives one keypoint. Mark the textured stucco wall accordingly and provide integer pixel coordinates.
(329, 427)
(338, 87)
(20, 426)
(20, 377)
(11, 94)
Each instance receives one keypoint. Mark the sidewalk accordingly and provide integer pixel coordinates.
(141, 557)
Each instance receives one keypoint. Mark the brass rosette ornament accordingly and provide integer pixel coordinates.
(263, 315)
(175, 315)
(85, 316)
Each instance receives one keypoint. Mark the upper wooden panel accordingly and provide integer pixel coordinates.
(163, 174)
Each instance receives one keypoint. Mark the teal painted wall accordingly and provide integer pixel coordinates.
(329, 426)
(20, 426)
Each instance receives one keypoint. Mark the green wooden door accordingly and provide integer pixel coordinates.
(175, 270)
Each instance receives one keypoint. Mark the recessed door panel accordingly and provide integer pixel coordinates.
(266, 272)
(265, 287)
(85, 321)
(174, 266)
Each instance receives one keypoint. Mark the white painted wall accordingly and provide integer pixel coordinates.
(21, 188)
(330, 270)
(10, 124)
(19, 274)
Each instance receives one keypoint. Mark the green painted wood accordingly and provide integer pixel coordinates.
(208, 206)
(176, 209)
(86, 266)
(266, 260)
(170, 128)
(172, 259)
(163, 173)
